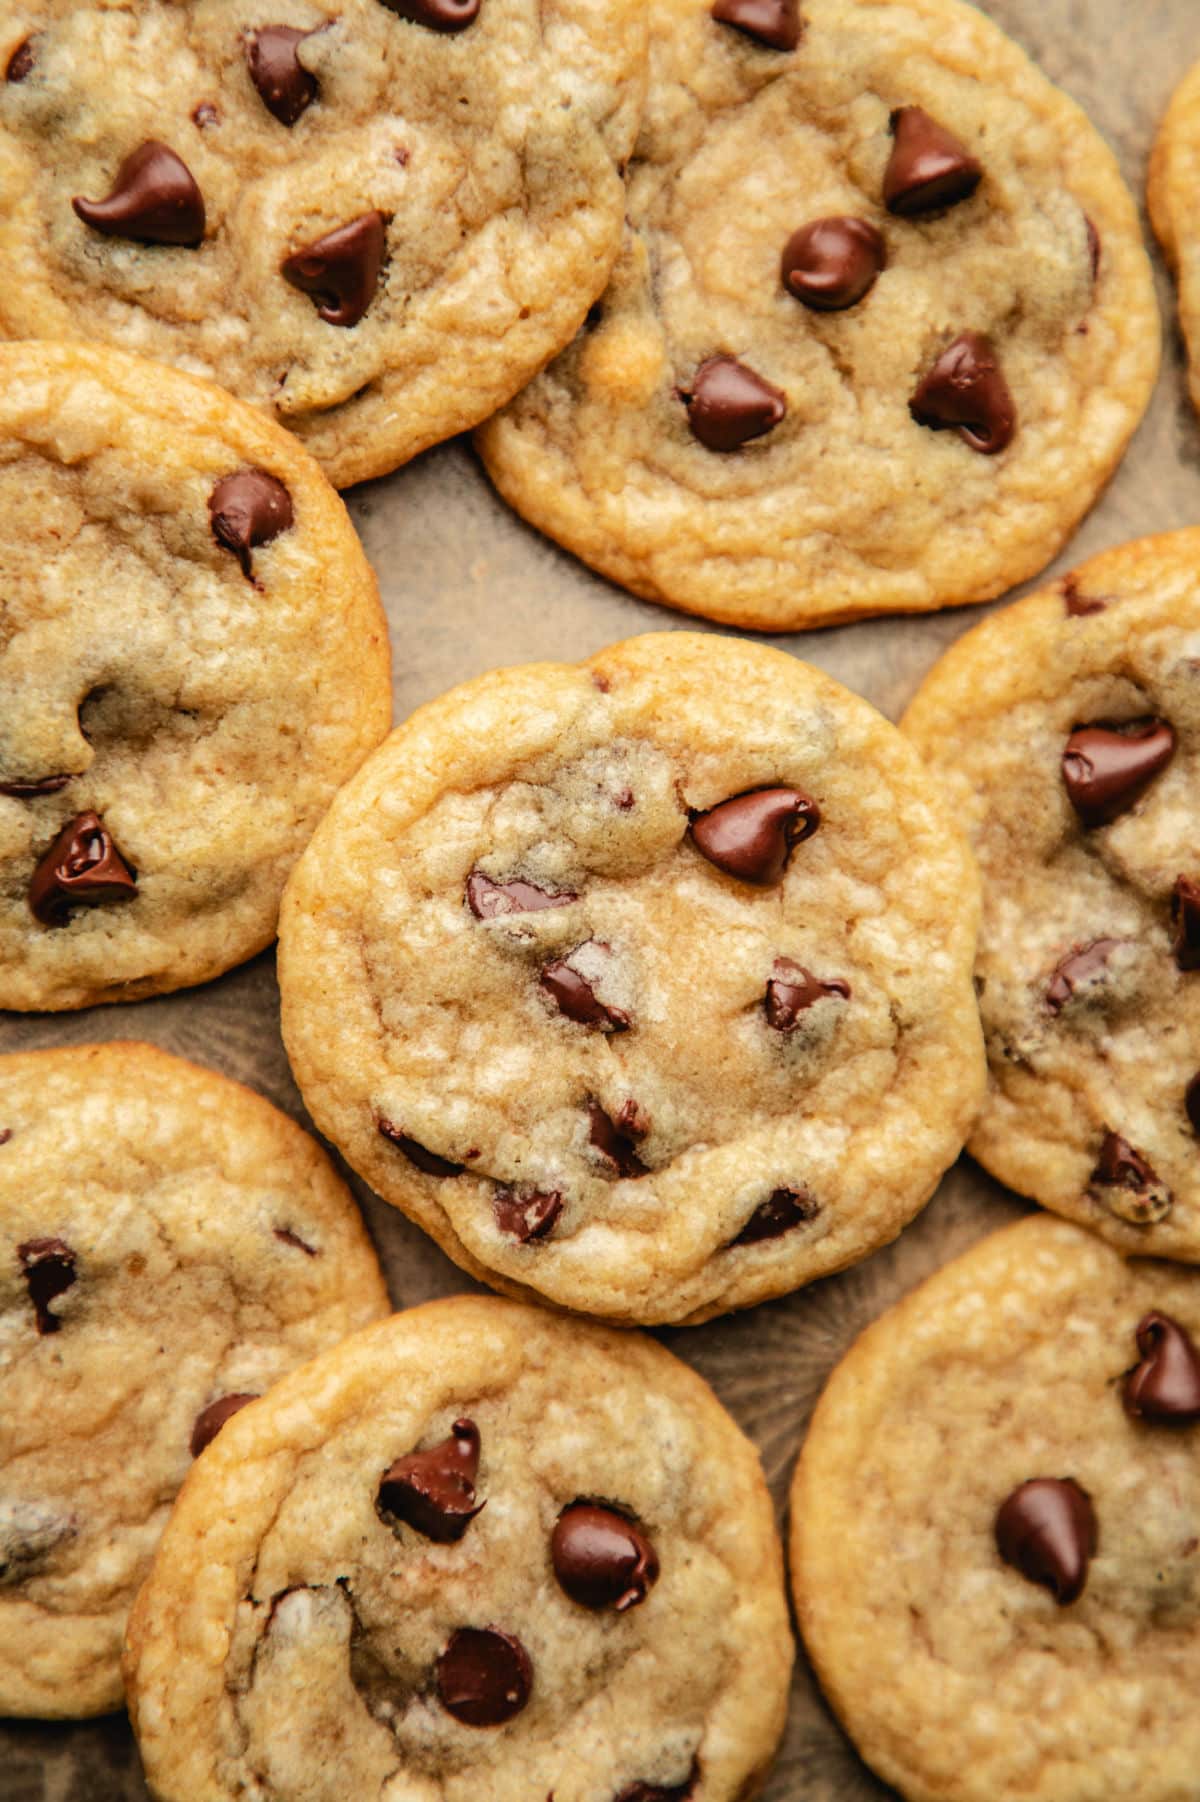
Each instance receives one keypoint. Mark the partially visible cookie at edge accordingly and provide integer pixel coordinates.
(1171, 191)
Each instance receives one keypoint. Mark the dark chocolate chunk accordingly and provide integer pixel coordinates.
(210, 1420)
(751, 836)
(154, 200)
(965, 391)
(284, 85)
(21, 790)
(1079, 967)
(655, 1792)
(729, 404)
(601, 1557)
(1047, 1530)
(527, 1214)
(1185, 913)
(488, 900)
(340, 271)
(832, 263)
(428, 1161)
(773, 23)
(484, 1676)
(20, 62)
(1139, 1195)
(434, 1491)
(436, 15)
(1164, 1389)
(82, 868)
(616, 1140)
(574, 995)
(1078, 605)
(792, 990)
(1107, 771)
(5, 1134)
(929, 167)
(778, 1214)
(249, 509)
(48, 1266)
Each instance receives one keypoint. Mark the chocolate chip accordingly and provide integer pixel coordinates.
(1191, 1101)
(729, 404)
(831, 263)
(436, 15)
(751, 836)
(340, 271)
(1185, 912)
(48, 1266)
(20, 62)
(966, 391)
(781, 1211)
(434, 1491)
(929, 167)
(1106, 771)
(527, 1214)
(82, 868)
(484, 1676)
(1132, 1187)
(248, 509)
(1078, 605)
(655, 1792)
(284, 85)
(210, 1420)
(30, 1534)
(792, 990)
(36, 785)
(490, 900)
(601, 1557)
(575, 996)
(5, 1134)
(154, 200)
(1047, 1530)
(1164, 1389)
(1094, 247)
(775, 23)
(288, 1237)
(616, 1140)
(206, 113)
(428, 1161)
(1079, 968)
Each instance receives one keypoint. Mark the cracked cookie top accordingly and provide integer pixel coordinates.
(1066, 730)
(373, 220)
(170, 1244)
(881, 327)
(643, 985)
(475, 1545)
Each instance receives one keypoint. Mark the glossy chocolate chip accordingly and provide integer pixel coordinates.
(436, 15)
(1191, 1102)
(284, 85)
(1164, 1388)
(965, 391)
(792, 990)
(434, 1491)
(1047, 1530)
(36, 785)
(154, 200)
(484, 1676)
(82, 868)
(286, 1236)
(601, 1557)
(1135, 1191)
(1185, 914)
(1079, 606)
(490, 900)
(20, 62)
(831, 264)
(781, 1211)
(1076, 970)
(340, 271)
(30, 1534)
(527, 1214)
(574, 995)
(729, 405)
(48, 1266)
(210, 1420)
(249, 509)
(774, 23)
(1107, 771)
(655, 1792)
(929, 167)
(616, 1140)
(416, 1153)
(752, 836)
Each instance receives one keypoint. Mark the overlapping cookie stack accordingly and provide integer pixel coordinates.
(650, 986)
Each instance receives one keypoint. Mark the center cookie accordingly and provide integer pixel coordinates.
(374, 220)
(473, 1552)
(643, 985)
(881, 327)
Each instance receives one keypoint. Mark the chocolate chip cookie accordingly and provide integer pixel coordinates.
(1066, 730)
(373, 220)
(995, 1528)
(473, 1551)
(192, 658)
(1174, 173)
(880, 330)
(643, 985)
(171, 1244)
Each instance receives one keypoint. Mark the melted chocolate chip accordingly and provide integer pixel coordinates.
(1077, 969)
(210, 1420)
(20, 62)
(1140, 1197)
(1047, 1530)
(484, 1676)
(434, 1491)
(1164, 1389)
(966, 391)
(489, 900)
(48, 1266)
(248, 509)
(1191, 1102)
(340, 271)
(774, 23)
(729, 405)
(929, 167)
(154, 200)
(752, 836)
(616, 1140)
(284, 85)
(792, 990)
(1185, 912)
(1078, 605)
(82, 868)
(601, 1557)
(36, 785)
(781, 1211)
(575, 996)
(428, 1161)
(831, 264)
(527, 1214)
(1107, 771)
(287, 1237)
(654, 1792)
(436, 15)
